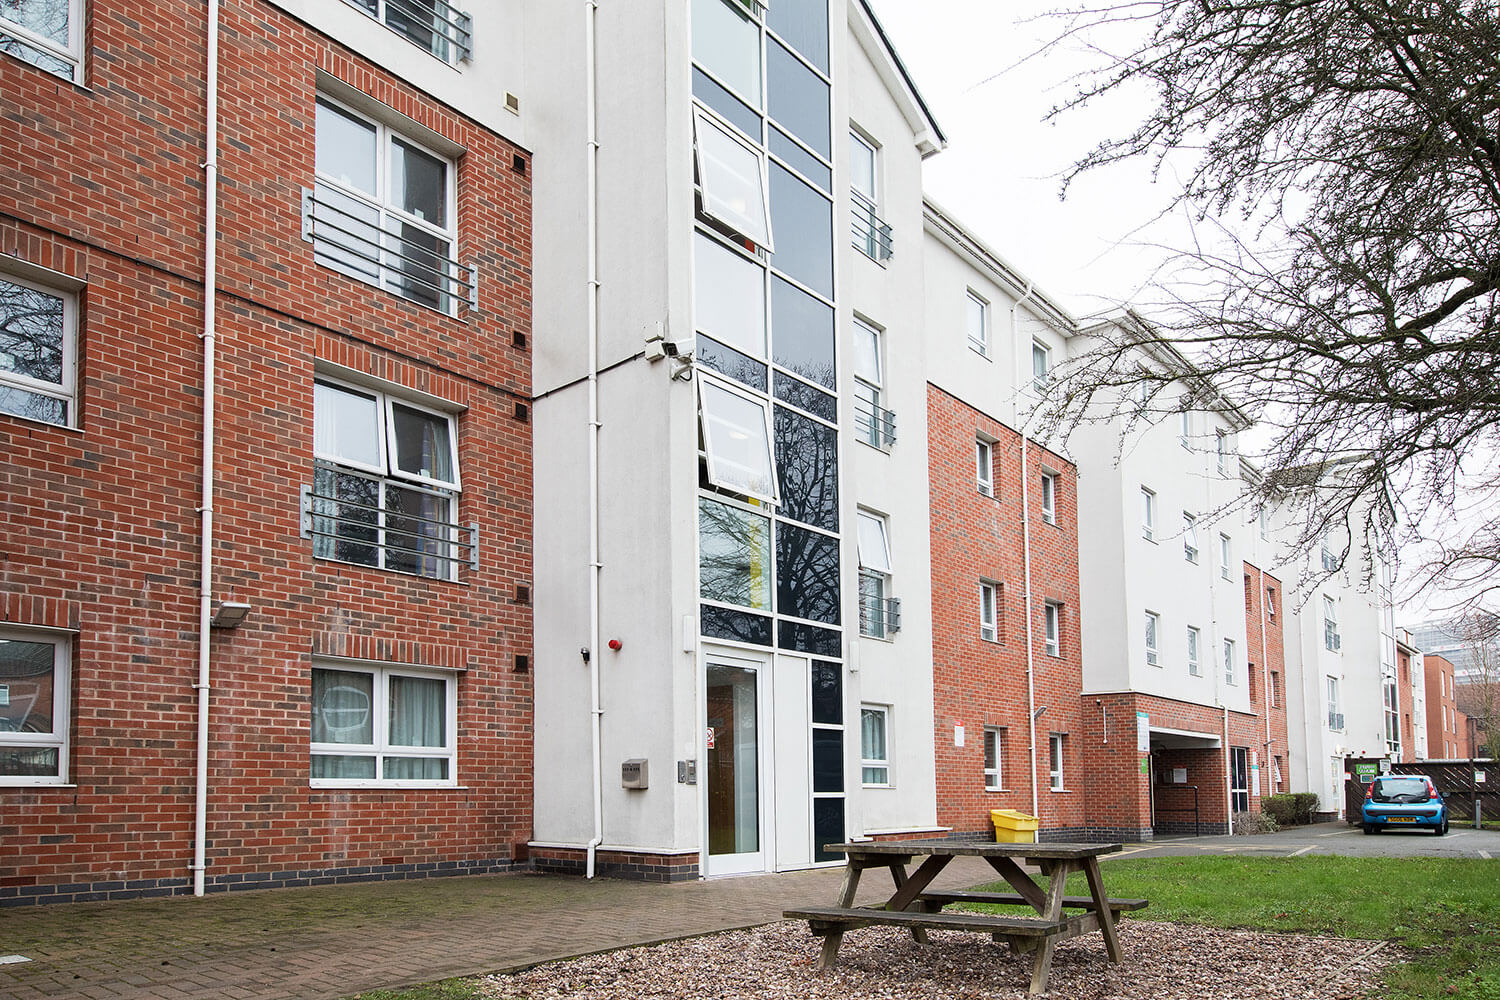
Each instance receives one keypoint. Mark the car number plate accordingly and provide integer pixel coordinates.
(1401, 819)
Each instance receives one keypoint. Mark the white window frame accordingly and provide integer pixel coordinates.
(867, 762)
(1185, 430)
(1226, 555)
(1055, 762)
(1152, 627)
(994, 758)
(1148, 514)
(386, 471)
(66, 391)
(758, 230)
(1194, 651)
(1332, 694)
(1189, 537)
(873, 546)
(71, 53)
(1052, 619)
(1229, 662)
(981, 345)
(870, 387)
(984, 466)
(1049, 497)
(1221, 442)
(708, 421)
(867, 202)
(1040, 380)
(1331, 639)
(1263, 521)
(380, 727)
(1270, 602)
(989, 600)
(58, 737)
(382, 201)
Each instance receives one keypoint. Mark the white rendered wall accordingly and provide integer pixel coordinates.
(895, 672)
(476, 88)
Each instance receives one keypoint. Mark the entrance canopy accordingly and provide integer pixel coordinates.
(1183, 739)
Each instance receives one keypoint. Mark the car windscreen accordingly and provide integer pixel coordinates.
(1400, 790)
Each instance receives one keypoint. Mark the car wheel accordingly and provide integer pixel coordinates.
(1369, 829)
(1443, 828)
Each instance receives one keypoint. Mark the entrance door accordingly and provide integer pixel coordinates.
(1239, 779)
(735, 786)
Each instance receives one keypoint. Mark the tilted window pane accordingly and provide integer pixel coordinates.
(734, 431)
(419, 184)
(726, 42)
(802, 333)
(874, 553)
(807, 469)
(418, 713)
(729, 297)
(807, 574)
(735, 555)
(804, 25)
(796, 98)
(422, 444)
(32, 333)
(804, 219)
(738, 113)
(343, 704)
(733, 183)
(977, 318)
(346, 426)
(867, 353)
(346, 148)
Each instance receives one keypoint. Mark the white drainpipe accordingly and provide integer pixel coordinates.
(591, 10)
(206, 509)
(1026, 548)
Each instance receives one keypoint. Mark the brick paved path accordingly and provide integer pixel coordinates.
(332, 941)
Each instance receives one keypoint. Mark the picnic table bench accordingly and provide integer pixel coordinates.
(918, 909)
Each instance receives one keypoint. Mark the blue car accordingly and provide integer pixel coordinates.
(1404, 801)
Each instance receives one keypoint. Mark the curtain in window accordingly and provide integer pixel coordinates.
(872, 734)
(418, 718)
(341, 713)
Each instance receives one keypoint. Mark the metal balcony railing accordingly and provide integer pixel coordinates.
(395, 261)
(875, 424)
(879, 616)
(348, 530)
(438, 27)
(872, 237)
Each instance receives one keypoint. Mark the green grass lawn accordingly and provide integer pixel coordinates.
(1447, 909)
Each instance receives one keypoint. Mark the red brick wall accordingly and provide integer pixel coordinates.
(1448, 740)
(1268, 671)
(1404, 705)
(979, 683)
(104, 184)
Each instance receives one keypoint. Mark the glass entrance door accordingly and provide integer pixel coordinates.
(1239, 779)
(735, 823)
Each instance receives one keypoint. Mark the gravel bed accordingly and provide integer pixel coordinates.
(1162, 962)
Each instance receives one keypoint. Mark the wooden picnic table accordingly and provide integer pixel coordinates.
(912, 906)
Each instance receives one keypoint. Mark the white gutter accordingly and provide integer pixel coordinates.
(1026, 547)
(591, 10)
(206, 507)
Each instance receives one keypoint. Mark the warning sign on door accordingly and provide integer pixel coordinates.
(710, 737)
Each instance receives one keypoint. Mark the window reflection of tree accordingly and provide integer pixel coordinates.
(807, 467)
(735, 555)
(724, 623)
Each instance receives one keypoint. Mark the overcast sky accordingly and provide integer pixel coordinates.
(1000, 172)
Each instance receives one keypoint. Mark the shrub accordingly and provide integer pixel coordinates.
(1290, 809)
(1249, 822)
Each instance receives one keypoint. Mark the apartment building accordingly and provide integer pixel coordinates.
(1180, 643)
(283, 248)
(1006, 651)
(1446, 731)
(1341, 662)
